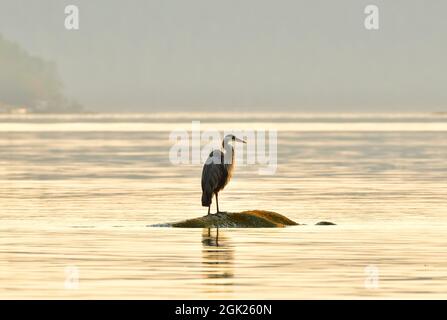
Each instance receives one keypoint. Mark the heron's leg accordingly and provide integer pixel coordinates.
(209, 208)
(217, 203)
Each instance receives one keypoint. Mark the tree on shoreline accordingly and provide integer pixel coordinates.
(30, 82)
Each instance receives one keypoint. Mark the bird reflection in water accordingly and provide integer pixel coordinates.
(217, 261)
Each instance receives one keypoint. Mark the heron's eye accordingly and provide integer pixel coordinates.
(233, 137)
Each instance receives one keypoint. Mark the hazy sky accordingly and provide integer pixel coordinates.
(312, 55)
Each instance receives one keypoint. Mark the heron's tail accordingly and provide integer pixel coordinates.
(206, 199)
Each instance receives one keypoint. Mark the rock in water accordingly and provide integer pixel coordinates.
(246, 219)
(325, 223)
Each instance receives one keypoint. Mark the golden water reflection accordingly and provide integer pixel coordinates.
(217, 261)
(81, 195)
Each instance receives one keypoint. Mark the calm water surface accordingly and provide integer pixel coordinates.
(77, 193)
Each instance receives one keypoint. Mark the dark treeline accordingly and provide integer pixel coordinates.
(30, 82)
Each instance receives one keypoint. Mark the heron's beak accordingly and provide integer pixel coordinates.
(239, 140)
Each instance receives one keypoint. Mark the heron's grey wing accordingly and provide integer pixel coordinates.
(213, 172)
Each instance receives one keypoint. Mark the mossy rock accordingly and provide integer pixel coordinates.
(246, 219)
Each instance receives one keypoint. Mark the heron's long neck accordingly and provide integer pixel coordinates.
(229, 151)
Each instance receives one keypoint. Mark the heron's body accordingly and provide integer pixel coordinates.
(217, 172)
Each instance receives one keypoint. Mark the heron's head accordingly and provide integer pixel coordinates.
(232, 138)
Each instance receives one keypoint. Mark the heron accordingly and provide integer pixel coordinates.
(217, 171)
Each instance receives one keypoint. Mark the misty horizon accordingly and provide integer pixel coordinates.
(299, 56)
